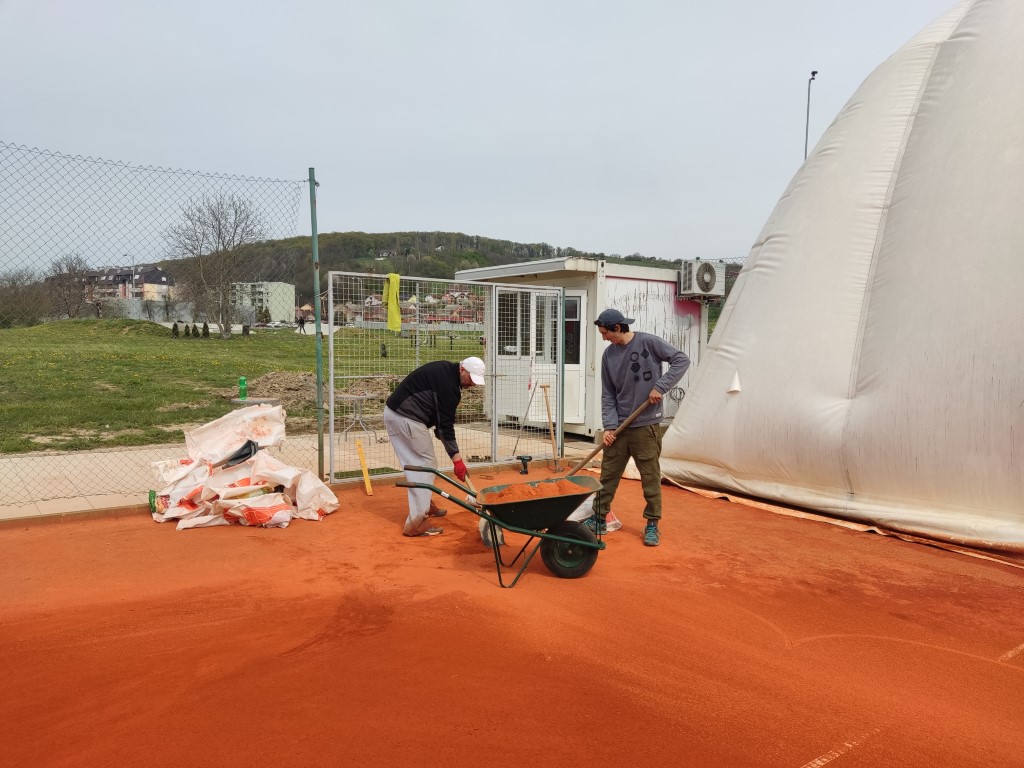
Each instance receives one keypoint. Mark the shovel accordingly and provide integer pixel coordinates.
(600, 447)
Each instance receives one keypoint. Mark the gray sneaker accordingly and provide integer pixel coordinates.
(595, 527)
(651, 537)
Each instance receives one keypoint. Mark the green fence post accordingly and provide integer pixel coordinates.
(319, 331)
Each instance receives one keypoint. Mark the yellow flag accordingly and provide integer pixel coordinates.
(391, 302)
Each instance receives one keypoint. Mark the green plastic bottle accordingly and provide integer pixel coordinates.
(243, 388)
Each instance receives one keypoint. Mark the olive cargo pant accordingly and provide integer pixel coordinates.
(644, 445)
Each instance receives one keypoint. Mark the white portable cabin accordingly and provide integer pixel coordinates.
(648, 294)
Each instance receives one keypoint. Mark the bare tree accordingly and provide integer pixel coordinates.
(23, 298)
(68, 285)
(208, 240)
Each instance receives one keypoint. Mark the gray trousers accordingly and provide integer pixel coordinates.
(413, 445)
(644, 445)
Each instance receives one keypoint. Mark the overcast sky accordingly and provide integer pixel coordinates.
(664, 127)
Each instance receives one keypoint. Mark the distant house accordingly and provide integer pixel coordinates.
(143, 281)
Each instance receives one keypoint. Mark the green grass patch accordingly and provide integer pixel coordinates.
(83, 384)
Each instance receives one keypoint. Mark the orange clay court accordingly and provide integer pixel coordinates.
(746, 639)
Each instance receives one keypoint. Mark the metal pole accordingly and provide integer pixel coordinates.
(807, 124)
(319, 332)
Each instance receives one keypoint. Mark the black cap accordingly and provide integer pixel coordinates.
(611, 317)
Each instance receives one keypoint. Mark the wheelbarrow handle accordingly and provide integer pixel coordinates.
(442, 475)
(629, 420)
(439, 492)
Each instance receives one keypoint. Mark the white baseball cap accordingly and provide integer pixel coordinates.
(474, 366)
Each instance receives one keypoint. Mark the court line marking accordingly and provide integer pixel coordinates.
(1010, 654)
(903, 641)
(841, 750)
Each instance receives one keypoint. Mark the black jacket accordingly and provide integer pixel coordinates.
(430, 395)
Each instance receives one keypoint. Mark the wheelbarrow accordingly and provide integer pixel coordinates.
(568, 548)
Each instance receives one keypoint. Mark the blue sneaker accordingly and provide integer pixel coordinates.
(599, 529)
(651, 538)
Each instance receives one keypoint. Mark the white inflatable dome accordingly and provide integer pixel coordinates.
(869, 362)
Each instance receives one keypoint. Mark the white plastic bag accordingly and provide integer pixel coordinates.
(313, 499)
(180, 498)
(271, 510)
(215, 441)
(586, 510)
(202, 491)
(485, 528)
(221, 481)
(485, 533)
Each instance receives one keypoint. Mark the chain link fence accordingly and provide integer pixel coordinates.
(375, 342)
(88, 396)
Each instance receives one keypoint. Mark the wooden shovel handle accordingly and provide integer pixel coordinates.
(622, 426)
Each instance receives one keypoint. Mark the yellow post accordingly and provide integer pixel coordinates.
(366, 472)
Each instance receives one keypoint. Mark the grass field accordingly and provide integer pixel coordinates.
(81, 384)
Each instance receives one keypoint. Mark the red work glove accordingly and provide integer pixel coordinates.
(460, 469)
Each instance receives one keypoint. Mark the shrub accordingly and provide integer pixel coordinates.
(206, 331)
(195, 331)
(174, 331)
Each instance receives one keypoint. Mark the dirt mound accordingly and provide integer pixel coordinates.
(295, 391)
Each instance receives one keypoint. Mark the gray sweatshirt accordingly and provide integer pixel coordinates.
(630, 372)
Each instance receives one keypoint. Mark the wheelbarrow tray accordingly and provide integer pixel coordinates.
(538, 514)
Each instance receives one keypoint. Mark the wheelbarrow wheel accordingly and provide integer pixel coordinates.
(566, 560)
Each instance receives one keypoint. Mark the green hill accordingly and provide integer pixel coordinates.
(423, 254)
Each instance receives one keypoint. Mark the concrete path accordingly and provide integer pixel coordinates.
(48, 484)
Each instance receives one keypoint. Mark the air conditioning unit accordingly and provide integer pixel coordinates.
(700, 278)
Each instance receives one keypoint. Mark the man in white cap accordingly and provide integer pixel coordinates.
(631, 375)
(427, 398)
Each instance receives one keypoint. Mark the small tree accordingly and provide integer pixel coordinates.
(188, 331)
(206, 330)
(195, 331)
(24, 298)
(209, 237)
(174, 330)
(69, 288)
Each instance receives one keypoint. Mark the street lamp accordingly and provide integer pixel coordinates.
(807, 125)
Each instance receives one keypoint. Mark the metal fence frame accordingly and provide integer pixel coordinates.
(514, 419)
